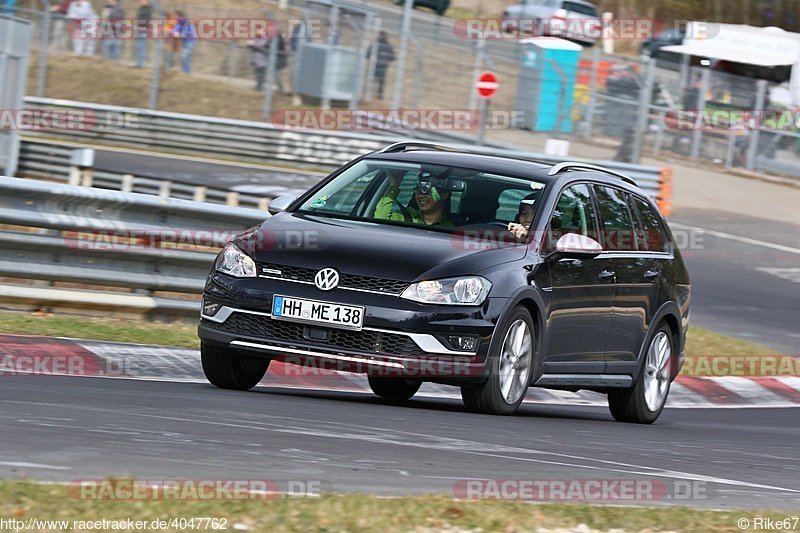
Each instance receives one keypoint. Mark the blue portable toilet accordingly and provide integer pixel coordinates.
(548, 68)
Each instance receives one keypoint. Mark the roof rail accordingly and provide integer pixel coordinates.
(573, 165)
(403, 145)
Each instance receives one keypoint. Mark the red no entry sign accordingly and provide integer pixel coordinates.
(486, 85)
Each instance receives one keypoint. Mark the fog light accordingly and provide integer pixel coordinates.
(467, 344)
(210, 308)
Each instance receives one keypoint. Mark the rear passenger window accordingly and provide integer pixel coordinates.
(654, 235)
(638, 228)
(616, 220)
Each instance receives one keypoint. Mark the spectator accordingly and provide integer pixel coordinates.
(173, 44)
(280, 60)
(259, 59)
(692, 94)
(142, 27)
(187, 34)
(112, 44)
(298, 33)
(385, 56)
(60, 11)
(84, 23)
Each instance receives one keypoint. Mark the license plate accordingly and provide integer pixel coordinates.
(316, 312)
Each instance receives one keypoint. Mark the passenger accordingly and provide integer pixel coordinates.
(431, 206)
(522, 222)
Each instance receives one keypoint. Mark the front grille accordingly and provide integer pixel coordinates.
(346, 281)
(264, 327)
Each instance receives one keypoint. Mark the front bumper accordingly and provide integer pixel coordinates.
(398, 337)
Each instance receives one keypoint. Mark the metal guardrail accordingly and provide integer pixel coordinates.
(106, 239)
(260, 141)
(50, 161)
(209, 136)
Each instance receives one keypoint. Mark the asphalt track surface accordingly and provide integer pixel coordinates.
(70, 428)
(748, 283)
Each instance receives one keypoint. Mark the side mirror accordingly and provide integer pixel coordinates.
(575, 246)
(279, 204)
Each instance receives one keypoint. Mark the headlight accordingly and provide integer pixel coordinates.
(451, 291)
(234, 262)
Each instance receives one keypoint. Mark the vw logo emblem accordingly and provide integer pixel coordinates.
(327, 279)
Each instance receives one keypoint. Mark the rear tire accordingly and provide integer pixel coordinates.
(643, 403)
(510, 369)
(394, 388)
(227, 369)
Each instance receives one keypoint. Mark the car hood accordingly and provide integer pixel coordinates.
(372, 249)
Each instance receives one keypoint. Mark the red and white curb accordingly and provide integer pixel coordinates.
(23, 355)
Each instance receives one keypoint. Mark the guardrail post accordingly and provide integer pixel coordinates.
(643, 113)
(127, 183)
(164, 189)
(664, 196)
(232, 59)
(81, 163)
(755, 129)
(272, 59)
(730, 149)
(200, 194)
(590, 107)
(74, 176)
(658, 140)
(41, 77)
(263, 204)
(697, 134)
(232, 199)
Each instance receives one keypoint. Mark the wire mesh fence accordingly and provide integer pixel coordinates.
(628, 107)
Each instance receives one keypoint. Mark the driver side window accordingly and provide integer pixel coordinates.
(574, 213)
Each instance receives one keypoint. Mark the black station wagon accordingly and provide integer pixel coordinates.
(421, 263)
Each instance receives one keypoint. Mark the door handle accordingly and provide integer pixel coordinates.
(606, 275)
(651, 275)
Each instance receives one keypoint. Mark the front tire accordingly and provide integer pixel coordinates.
(227, 369)
(643, 403)
(509, 370)
(394, 388)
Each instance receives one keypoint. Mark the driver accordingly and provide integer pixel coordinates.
(431, 203)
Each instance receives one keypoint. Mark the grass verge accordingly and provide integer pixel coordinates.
(102, 329)
(23, 500)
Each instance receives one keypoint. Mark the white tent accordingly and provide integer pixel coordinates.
(739, 43)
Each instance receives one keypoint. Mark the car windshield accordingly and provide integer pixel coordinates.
(433, 197)
(582, 9)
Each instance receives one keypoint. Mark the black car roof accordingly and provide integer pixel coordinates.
(507, 166)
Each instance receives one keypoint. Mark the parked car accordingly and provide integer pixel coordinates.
(401, 265)
(669, 37)
(574, 20)
(439, 6)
